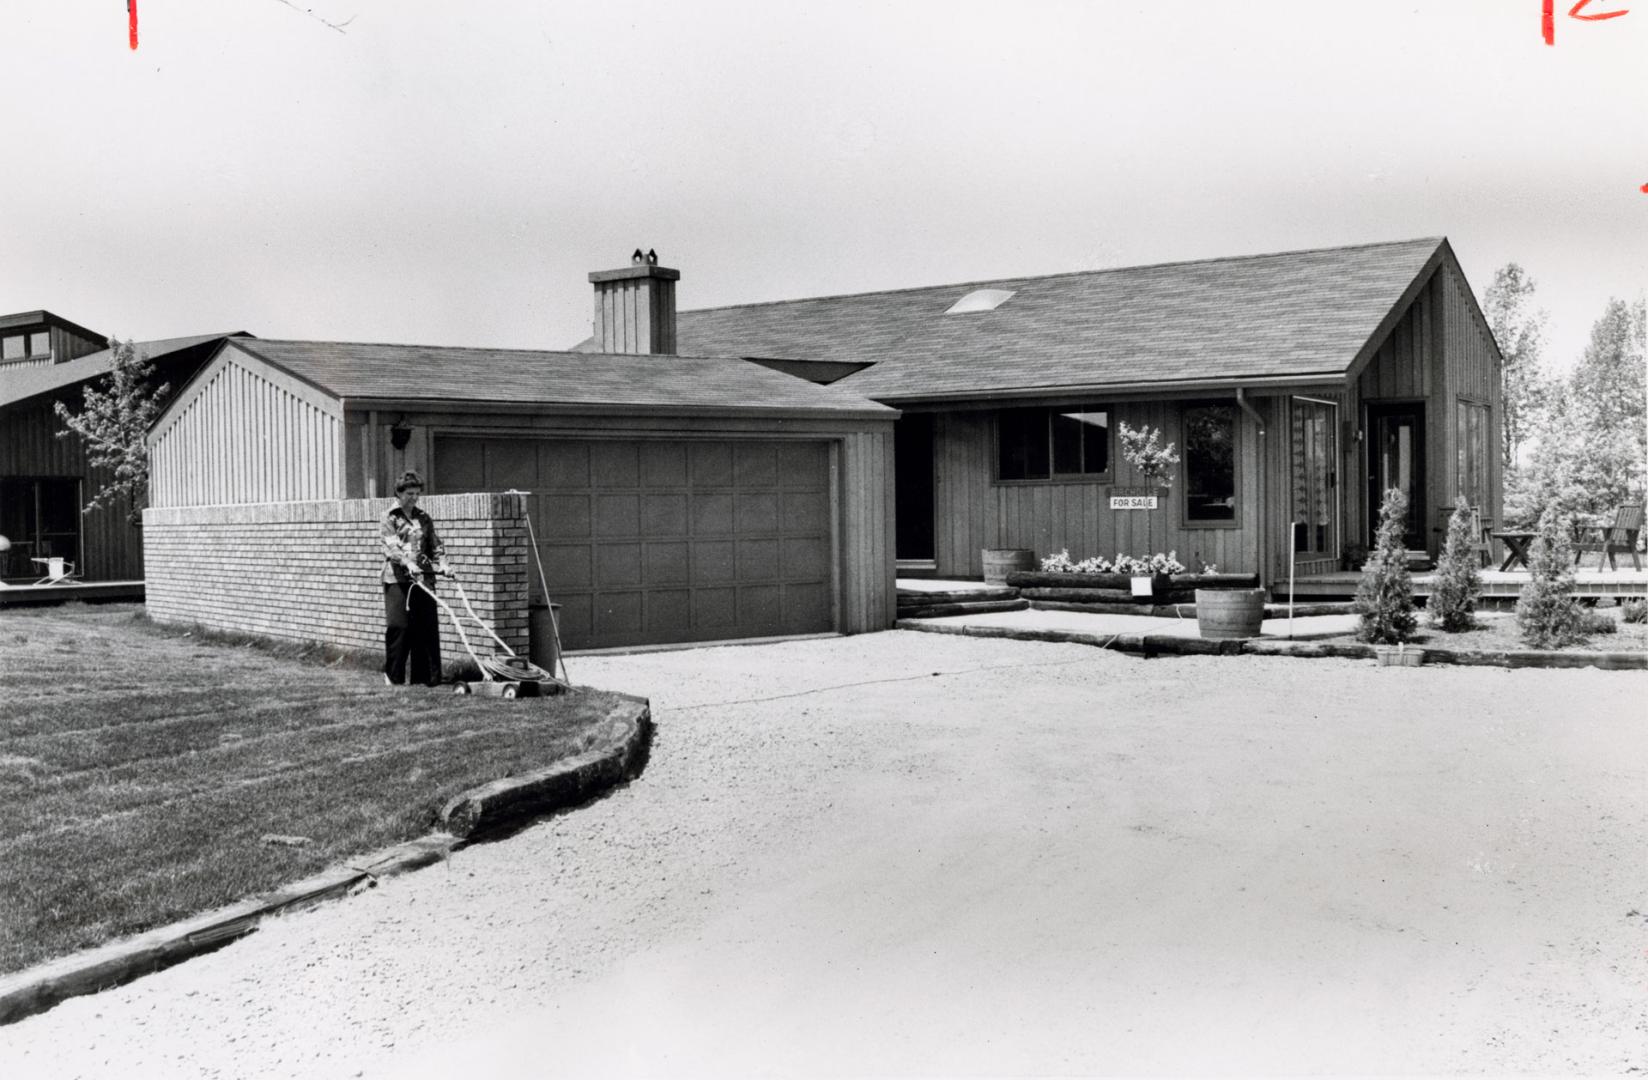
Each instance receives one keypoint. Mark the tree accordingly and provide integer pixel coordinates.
(1592, 448)
(1520, 331)
(1545, 612)
(1458, 581)
(112, 423)
(1384, 596)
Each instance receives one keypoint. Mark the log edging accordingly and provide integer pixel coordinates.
(568, 783)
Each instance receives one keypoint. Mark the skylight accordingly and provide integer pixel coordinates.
(980, 300)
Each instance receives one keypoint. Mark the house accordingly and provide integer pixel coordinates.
(1297, 387)
(672, 498)
(45, 481)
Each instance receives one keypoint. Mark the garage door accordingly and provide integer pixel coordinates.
(649, 542)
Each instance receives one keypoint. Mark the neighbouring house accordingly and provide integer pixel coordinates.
(46, 481)
(671, 498)
(1296, 386)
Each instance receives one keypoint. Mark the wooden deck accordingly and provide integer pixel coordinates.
(91, 592)
(1618, 584)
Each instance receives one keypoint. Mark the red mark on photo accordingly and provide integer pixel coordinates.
(131, 22)
(1547, 17)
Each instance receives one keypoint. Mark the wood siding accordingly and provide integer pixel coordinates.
(974, 511)
(111, 548)
(244, 433)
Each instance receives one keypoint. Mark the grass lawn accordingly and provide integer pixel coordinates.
(1497, 631)
(141, 768)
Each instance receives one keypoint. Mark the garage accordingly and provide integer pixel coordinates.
(652, 541)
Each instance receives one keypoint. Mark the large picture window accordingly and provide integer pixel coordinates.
(1045, 444)
(1210, 464)
(1472, 451)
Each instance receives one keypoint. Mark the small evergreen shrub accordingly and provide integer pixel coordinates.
(1596, 622)
(1458, 580)
(1634, 611)
(1384, 597)
(1545, 612)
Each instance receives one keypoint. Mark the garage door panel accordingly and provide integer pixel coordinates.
(757, 560)
(567, 566)
(807, 608)
(806, 512)
(563, 465)
(712, 562)
(648, 541)
(561, 517)
(804, 557)
(511, 463)
(668, 564)
(618, 615)
(669, 615)
(615, 465)
(664, 465)
(714, 610)
(618, 566)
(755, 465)
(711, 514)
(617, 516)
(802, 464)
(755, 513)
(663, 515)
(761, 607)
(711, 465)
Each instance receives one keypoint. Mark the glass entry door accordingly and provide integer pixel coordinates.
(1397, 451)
(1315, 438)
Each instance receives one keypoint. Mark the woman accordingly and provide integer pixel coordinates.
(412, 552)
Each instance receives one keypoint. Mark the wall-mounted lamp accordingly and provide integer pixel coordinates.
(400, 435)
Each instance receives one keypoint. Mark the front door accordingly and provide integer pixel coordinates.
(1397, 452)
(1315, 456)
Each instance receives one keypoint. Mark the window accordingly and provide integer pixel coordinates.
(1471, 450)
(1041, 444)
(32, 345)
(1210, 463)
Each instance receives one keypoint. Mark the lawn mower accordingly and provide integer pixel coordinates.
(506, 676)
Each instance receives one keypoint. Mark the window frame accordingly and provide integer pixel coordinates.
(1053, 476)
(1235, 521)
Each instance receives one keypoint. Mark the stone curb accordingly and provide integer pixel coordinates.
(568, 783)
(1168, 644)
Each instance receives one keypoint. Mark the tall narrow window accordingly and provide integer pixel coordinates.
(1471, 451)
(1210, 463)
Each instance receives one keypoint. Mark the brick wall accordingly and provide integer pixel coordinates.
(309, 571)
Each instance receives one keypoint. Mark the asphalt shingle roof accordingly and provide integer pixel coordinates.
(1294, 313)
(27, 382)
(441, 373)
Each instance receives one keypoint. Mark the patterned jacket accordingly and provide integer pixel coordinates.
(409, 538)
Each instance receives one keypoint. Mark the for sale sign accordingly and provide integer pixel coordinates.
(1132, 498)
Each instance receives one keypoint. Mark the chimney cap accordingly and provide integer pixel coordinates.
(641, 265)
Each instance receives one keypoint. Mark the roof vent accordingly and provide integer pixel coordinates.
(980, 300)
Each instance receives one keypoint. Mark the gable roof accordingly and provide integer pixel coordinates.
(521, 377)
(1300, 314)
(27, 382)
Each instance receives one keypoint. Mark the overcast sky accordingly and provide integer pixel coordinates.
(448, 173)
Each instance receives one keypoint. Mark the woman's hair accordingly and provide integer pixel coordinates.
(408, 479)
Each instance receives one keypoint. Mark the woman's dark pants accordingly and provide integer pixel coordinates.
(411, 634)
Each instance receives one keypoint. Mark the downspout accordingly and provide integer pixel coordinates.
(1264, 466)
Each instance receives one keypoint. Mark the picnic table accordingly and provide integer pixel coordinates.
(1516, 545)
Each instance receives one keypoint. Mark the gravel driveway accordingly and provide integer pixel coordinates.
(912, 853)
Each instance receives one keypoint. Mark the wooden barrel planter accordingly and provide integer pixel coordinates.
(1230, 613)
(999, 562)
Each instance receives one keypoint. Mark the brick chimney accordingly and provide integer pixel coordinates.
(635, 306)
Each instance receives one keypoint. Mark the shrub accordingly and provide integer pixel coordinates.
(1384, 596)
(1546, 613)
(1458, 580)
(1634, 611)
(1595, 622)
